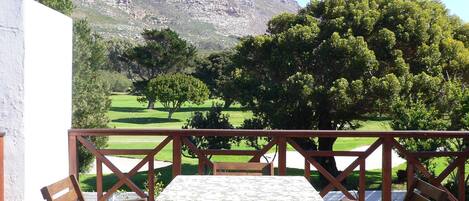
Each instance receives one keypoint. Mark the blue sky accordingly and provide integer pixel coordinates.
(456, 7)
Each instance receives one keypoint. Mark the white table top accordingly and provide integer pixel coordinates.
(242, 188)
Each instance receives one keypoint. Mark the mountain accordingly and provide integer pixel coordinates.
(208, 24)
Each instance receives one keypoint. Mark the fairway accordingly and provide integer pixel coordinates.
(127, 112)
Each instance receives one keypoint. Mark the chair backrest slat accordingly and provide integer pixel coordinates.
(430, 191)
(70, 188)
(238, 169)
(418, 197)
(70, 195)
(421, 190)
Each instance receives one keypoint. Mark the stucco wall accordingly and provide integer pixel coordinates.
(35, 96)
(11, 96)
(47, 96)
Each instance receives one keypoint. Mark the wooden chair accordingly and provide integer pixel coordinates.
(423, 191)
(68, 186)
(239, 169)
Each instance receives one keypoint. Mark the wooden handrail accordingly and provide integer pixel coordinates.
(267, 133)
(280, 138)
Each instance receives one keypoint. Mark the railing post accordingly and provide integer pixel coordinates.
(362, 181)
(282, 156)
(73, 156)
(307, 170)
(99, 178)
(177, 151)
(387, 169)
(151, 179)
(201, 166)
(461, 181)
(410, 175)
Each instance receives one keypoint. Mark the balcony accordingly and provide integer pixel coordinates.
(281, 139)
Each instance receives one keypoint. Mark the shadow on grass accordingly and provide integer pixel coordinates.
(88, 182)
(203, 109)
(145, 120)
(127, 109)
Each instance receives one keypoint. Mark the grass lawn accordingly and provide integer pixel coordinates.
(127, 112)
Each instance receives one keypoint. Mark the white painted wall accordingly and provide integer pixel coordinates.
(11, 95)
(35, 96)
(47, 96)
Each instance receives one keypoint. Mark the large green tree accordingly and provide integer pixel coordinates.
(337, 60)
(163, 52)
(91, 100)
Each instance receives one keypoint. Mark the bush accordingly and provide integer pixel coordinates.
(213, 119)
(116, 81)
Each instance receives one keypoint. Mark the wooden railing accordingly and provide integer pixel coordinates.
(2, 180)
(280, 138)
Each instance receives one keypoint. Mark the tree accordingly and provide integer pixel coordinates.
(173, 90)
(163, 52)
(117, 49)
(336, 61)
(90, 92)
(217, 71)
(213, 119)
(63, 6)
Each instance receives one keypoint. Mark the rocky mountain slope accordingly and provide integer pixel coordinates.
(208, 24)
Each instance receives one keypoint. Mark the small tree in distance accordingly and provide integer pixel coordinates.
(173, 90)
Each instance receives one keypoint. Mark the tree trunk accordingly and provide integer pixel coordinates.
(170, 115)
(151, 105)
(228, 103)
(326, 144)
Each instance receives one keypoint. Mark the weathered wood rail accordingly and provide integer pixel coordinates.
(280, 138)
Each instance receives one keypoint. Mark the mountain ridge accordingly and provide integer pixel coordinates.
(208, 24)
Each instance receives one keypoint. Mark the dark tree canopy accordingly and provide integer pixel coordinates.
(336, 61)
(163, 52)
(217, 71)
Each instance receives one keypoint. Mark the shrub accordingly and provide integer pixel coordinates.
(213, 119)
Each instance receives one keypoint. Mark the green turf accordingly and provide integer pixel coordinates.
(127, 112)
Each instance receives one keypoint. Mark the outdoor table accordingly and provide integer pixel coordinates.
(242, 188)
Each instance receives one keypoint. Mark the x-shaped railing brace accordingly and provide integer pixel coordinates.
(123, 178)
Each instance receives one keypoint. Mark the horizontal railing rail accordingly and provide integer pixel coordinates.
(279, 138)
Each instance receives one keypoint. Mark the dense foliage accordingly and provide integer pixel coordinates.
(217, 71)
(337, 61)
(175, 89)
(90, 92)
(163, 52)
(213, 119)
